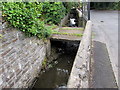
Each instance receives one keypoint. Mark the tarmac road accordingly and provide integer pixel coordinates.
(105, 30)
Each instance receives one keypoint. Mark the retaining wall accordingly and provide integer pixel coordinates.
(64, 21)
(20, 58)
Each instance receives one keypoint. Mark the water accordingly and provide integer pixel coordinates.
(57, 76)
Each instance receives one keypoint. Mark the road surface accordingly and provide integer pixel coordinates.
(105, 30)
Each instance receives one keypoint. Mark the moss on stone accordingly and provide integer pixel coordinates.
(64, 33)
(69, 28)
(44, 63)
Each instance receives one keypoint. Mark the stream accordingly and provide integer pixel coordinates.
(57, 76)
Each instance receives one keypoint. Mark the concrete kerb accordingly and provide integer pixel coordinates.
(79, 77)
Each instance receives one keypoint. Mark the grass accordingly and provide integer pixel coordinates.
(64, 33)
(52, 26)
(68, 28)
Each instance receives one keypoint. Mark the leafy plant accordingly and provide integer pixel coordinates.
(32, 17)
(69, 5)
(26, 17)
(44, 63)
(106, 5)
(53, 12)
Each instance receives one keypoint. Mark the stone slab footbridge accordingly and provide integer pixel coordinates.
(68, 33)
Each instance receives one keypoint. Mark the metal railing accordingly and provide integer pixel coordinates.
(86, 10)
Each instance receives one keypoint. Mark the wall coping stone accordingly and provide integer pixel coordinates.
(79, 77)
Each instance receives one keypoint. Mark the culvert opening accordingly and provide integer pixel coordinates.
(58, 71)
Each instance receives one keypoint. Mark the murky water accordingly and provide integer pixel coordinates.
(57, 76)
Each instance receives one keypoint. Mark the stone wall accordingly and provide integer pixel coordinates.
(64, 21)
(20, 58)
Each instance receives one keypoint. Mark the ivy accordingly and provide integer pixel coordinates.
(32, 17)
(26, 17)
(53, 12)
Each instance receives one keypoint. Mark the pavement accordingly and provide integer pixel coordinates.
(105, 30)
(102, 73)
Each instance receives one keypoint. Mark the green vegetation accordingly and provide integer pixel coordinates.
(51, 26)
(64, 33)
(106, 5)
(68, 28)
(53, 12)
(118, 5)
(32, 17)
(69, 5)
(44, 63)
(26, 17)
